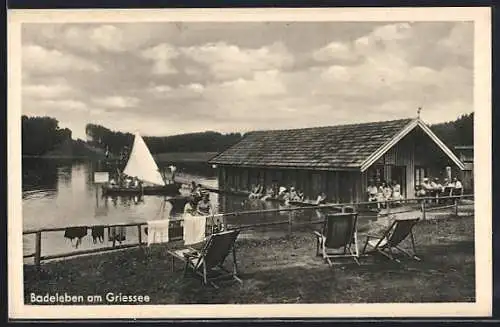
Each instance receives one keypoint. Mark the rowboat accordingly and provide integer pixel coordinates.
(142, 165)
(169, 189)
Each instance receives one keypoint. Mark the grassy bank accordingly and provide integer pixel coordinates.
(281, 270)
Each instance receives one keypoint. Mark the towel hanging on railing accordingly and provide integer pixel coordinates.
(157, 231)
(98, 234)
(194, 229)
(75, 233)
(117, 233)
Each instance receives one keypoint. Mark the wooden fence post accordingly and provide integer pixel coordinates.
(423, 209)
(456, 207)
(139, 231)
(38, 250)
(290, 220)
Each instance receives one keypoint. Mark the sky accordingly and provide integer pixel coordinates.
(171, 78)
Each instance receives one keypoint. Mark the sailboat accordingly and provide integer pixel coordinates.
(142, 165)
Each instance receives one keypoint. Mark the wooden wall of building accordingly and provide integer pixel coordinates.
(399, 156)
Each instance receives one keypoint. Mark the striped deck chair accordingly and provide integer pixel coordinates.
(397, 232)
(338, 238)
(207, 263)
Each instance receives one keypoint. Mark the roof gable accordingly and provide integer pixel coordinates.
(342, 146)
(402, 133)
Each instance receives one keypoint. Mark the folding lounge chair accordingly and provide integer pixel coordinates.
(397, 232)
(338, 237)
(210, 258)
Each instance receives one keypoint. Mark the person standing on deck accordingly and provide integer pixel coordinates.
(173, 169)
(190, 207)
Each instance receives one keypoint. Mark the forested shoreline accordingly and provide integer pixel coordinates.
(42, 137)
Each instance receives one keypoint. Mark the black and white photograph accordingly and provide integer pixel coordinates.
(183, 159)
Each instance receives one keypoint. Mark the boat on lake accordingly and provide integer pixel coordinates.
(142, 165)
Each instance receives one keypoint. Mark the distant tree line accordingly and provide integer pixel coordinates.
(457, 132)
(42, 134)
(116, 142)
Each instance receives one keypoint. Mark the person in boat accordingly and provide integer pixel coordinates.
(256, 192)
(112, 183)
(321, 198)
(301, 195)
(204, 206)
(284, 194)
(281, 191)
(293, 194)
(269, 194)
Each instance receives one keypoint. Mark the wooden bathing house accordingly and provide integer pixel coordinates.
(338, 160)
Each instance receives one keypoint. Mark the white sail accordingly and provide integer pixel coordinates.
(141, 163)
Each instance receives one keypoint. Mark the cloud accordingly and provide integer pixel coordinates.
(335, 51)
(47, 91)
(94, 38)
(64, 105)
(38, 59)
(117, 102)
(459, 40)
(226, 61)
(162, 56)
(214, 79)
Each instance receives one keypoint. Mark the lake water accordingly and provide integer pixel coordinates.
(60, 193)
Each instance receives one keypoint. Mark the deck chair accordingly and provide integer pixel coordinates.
(397, 232)
(209, 261)
(338, 238)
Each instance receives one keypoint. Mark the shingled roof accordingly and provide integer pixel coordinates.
(342, 146)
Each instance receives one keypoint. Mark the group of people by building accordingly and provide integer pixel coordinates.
(434, 188)
(383, 191)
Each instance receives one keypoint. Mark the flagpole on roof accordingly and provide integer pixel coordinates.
(418, 112)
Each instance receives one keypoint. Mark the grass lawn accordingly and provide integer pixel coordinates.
(281, 270)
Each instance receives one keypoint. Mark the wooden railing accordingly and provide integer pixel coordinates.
(423, 204)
